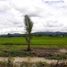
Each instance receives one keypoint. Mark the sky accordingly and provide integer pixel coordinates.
(46, 15)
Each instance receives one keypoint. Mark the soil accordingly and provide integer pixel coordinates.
(50, 52)
(42, 55)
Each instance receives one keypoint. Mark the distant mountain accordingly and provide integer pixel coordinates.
(36, 33)
(11, 35)
(51, 33)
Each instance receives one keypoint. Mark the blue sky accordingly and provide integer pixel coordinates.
(47, 15)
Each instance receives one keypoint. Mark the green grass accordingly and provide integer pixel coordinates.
(50, 41)
(15, 45)
(45, 41)
(11, 40)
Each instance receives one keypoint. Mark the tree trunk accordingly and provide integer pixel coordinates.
(29, 44)
(28, 48)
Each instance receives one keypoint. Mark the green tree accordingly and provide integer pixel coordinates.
(28, 27)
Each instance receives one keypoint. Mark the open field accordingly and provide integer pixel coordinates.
(15, 46)
(43, 41)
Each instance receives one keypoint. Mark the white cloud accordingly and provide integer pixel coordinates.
(47, 15)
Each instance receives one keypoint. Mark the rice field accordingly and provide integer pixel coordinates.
(43, 41)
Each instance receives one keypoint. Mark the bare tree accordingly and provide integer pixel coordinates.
(28, 28)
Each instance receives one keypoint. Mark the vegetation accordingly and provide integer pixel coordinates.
(37, 64)
(15, 46)
(43, 41)
(28, 28)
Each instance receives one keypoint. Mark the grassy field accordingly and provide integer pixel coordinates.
(15, 45)
(43, 41)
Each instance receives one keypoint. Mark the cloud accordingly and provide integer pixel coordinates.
(47, 15)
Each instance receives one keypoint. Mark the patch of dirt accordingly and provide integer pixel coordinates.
(42, 55)
(49, 52)
(63, 50)
(29, 60)
(33, 60)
